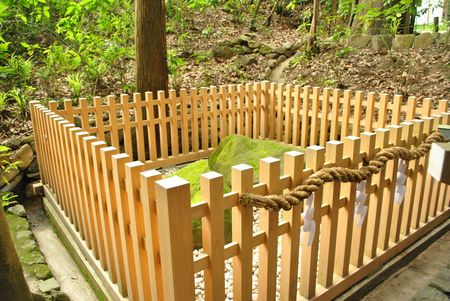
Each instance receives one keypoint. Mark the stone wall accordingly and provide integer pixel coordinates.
(398, 42)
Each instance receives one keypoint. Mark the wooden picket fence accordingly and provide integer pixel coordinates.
(135, 228)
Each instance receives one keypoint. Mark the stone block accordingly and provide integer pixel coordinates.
(424, 40)
(404, 41)
(359, 40)
(381, 42)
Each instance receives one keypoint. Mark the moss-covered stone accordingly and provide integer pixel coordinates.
(42, 271)
(31, 258)
(232, 150)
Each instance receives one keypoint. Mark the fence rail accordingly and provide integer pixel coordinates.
(137, 227)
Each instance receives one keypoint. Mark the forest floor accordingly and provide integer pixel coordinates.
(190, 38)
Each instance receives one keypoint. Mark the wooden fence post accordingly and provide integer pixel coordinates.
(268, 222)
(211, 184)
(293, 167)
(305, 115)
(242, 227)
(288, 117)
(375, 199)
(152, 245)
(324, 119)
(359, 232)
(352, 146)
(328, 231)
(106, 154)
(296, 118)
(314, 133)
(175, 232)
(390, 213)
(123, 216)
(315, 157)
(280, 112)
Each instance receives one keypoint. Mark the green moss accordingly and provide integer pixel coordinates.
(31, 258)
(233, 150)
(237, 149)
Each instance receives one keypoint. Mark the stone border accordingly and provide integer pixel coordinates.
(89, 266)
(398, 42)
(363, 287)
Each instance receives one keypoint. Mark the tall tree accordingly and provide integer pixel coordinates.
(13, 286)
(151, 49)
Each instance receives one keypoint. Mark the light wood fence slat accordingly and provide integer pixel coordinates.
(375, 199)
(106, 154)
(368, 140)
(248, 109)
(224, 126)
(324, 120)
(268, 222)
(272, 110)
(93, 201)
(346, 215)
(102, 207)
(140, 140)
(151, 129)
(315, 157)
(152, 246)
(427, 183)
(114, 133)
(305, 116)
(212, 192)
(194, 121)
(288, 118)
(293, 167)
(408, 203)
(214, 117)
(382, 110)
(328, 231)
(314, 134)
(391, 213)
(172, 202)
(99, 123)
(280, 96)
(411, 112)
(241, 182)
(123, 216)
(184, 122)
(173, 124)
(297, 107)
(346, 113)
(257, 112)
(204, 117)
(335, 114)
(137, 227)
(368, 127)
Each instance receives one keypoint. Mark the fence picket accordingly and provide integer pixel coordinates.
(241, 182)
(293, 167)
(212, 192)
(315, 157)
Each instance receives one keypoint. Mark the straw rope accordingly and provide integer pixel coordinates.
(318, 179)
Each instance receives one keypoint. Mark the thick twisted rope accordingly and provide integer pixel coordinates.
(343, 174)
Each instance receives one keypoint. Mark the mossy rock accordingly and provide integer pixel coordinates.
(42, 271)
(232, 150)
(237, 149)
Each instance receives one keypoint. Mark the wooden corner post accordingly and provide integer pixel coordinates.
(173, 205)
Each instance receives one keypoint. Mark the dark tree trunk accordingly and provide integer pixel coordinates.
(314, 22)
(13, 286)
(151, 49)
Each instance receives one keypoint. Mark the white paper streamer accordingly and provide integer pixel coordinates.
(400, 185)
(360, 208)
(309, 224)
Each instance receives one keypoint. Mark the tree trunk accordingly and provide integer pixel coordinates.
(13, 286)
(314, 22)
(151, 49)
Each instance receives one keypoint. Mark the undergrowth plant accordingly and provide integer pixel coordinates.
(7, 198)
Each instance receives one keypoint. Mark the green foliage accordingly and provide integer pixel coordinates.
(5, 167)
(75, 82)
(21, 97)
(3, 102)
